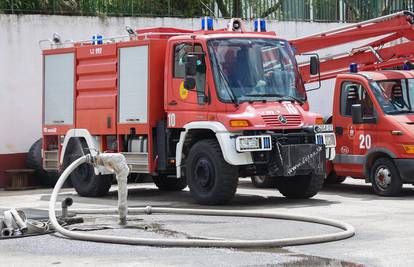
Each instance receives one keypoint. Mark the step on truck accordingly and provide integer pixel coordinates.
(198, 108)
(373, 103)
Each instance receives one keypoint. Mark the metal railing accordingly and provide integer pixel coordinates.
(288, 10)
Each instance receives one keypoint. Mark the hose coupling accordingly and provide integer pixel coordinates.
(6, 232)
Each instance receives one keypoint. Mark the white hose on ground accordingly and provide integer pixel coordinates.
(348, 230)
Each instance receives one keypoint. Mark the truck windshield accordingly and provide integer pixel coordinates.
(395, 96)
(247, 69)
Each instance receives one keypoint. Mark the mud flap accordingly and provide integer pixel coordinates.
(291, 160)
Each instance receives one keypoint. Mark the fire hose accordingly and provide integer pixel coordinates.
(117, 163)
(15, 224)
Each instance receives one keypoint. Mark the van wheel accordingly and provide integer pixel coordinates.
(212, 181)
(385, 179)
(83, 178)
(334, 179)
(34, 161)
(261, 181)
(301, 186)
(165, 183)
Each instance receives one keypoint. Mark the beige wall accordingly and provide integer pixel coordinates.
(21, 68)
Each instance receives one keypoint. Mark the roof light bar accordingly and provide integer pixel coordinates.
(259, 25)
(353, 67)
(207, 24)
(97, 39)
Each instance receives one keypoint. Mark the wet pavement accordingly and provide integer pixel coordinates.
(382, 225)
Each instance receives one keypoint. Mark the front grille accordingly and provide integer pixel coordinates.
(291, 120)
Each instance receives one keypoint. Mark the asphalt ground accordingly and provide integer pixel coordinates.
(384, 232)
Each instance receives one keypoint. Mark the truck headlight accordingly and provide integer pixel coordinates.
(327, 139)
(249, 143)
(253, 143)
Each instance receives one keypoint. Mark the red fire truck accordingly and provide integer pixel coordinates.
(197, 108)
(373, 109)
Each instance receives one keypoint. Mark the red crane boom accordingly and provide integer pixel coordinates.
(379, 54)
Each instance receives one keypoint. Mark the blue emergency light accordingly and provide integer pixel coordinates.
(259, 25)
(207, 24)
(406, 66)
(353, 68)
(97, 39)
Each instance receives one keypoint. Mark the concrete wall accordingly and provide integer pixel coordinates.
(21, 68)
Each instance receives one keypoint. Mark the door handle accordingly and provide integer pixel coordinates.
(172, 103)
(339, 130)
(108, 122)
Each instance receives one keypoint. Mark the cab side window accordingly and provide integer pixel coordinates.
(354, 93)
(180, 51)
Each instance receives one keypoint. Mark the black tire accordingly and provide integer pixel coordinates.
(84, 179)
(212, 181)
(34, 161)
(165, 183)
(334, 179)
(301, 186)
(385, 178)
(263, 181)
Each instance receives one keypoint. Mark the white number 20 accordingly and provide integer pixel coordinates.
(364, 141)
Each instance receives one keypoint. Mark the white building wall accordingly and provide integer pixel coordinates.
(21, 65)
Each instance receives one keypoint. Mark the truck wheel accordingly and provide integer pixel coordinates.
(301, 186)
(385, 179)
(261, 181)
(334, 179)
(165, 183)
(84, 179)
(212, 181)
(34, 161)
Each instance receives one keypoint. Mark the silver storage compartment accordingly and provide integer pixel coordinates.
(59, 84)
(133, 84)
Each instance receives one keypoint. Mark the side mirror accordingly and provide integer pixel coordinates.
(357, 114)
(314, 65)
(189, 83)
(190, 65)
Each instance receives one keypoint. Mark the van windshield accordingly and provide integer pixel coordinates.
(395, 96)
(250, 69)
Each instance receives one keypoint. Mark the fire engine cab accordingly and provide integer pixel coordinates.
(197, 108)
(374, 122)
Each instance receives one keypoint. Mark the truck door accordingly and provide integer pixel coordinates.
(184, 105)
(353, 140)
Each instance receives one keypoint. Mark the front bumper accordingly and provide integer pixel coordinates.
(297, 159)
(406, 169)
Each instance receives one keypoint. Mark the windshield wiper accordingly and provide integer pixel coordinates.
(227, 86)
(289, 97)
(282, 97)
(396, 112)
